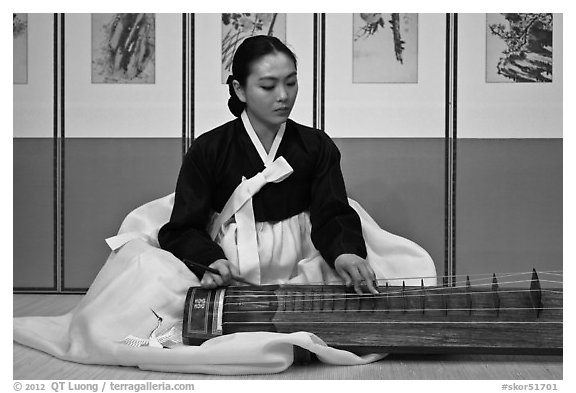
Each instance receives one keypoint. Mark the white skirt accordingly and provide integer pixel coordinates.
(287, 254)
(139, 277)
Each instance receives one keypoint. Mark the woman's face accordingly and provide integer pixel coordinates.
(270, 91)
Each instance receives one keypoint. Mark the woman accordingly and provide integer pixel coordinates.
(260, 197)
(263, 90)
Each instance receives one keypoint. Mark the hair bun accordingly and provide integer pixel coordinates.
(234, 104)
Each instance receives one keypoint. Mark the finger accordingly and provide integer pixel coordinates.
(217, 279)
(222, 267)
(225, 274)
(356, 279)
(345, 276)
(207, 281)
(369, 276)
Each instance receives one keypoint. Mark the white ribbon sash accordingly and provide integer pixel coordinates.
(240, 206)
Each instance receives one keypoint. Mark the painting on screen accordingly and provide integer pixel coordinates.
(519, 47)
(236, 27)
(123, 48)
(385, 48)
(20, 49)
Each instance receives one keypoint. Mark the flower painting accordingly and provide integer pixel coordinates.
(385, 48)
(236, 27)
(519, 47)
(123, 48)
(20, 49)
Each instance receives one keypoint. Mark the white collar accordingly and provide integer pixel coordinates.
(267, 158)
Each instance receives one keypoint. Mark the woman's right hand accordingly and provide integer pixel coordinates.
(356, 271)
(226, 269)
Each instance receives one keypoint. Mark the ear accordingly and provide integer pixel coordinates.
(239, 90)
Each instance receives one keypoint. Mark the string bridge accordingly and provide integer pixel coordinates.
(469, 295)
(536, 293)
(495, 295)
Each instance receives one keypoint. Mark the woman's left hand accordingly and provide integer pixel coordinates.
(355, 270)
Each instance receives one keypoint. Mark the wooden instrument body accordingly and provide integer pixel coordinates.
(398, 320)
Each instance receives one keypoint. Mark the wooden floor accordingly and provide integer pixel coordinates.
(30, 364)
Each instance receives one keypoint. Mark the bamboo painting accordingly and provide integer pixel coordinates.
(236, 27)
(385, 48)
(123, 48)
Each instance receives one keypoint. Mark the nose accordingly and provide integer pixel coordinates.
(282, 93)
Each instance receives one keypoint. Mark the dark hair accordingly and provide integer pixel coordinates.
(250, 50)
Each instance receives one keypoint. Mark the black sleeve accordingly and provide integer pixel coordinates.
(185, 235)
(336, 227)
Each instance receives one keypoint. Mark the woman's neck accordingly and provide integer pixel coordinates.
(265, 133)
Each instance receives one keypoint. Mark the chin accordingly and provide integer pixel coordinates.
(281, 117)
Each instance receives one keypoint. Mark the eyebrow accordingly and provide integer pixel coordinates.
(274, 78)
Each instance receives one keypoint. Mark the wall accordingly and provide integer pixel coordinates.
(119, 146)
(392, 134)
(509, 163)
(34, 193)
